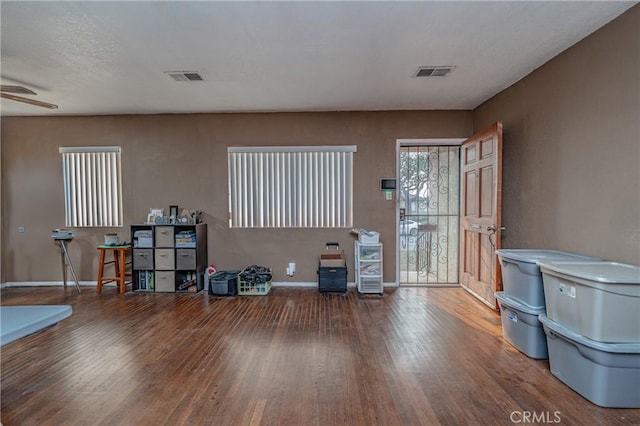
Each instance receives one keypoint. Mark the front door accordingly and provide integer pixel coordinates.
(429, 201)
(480, 224)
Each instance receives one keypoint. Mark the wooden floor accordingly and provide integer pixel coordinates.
(415, 356)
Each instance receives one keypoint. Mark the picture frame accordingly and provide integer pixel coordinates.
(173, 212)
(153, 214)
(156, 212)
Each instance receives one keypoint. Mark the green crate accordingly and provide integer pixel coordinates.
(251, 289)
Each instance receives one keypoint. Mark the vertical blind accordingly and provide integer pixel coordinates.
(92, 186)
(291, 187)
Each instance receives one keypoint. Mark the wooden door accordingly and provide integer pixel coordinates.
(480, 218)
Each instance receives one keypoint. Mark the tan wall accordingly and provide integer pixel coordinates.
(1, 216)
(572, 147)
(182, 159)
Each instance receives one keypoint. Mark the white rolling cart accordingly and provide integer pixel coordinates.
(368, 258)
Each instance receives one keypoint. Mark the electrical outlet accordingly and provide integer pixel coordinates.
(21, 229)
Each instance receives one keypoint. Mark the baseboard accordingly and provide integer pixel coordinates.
(298, 284)
(294, 284)
(291, 284)
(314, 284)
(50, 284)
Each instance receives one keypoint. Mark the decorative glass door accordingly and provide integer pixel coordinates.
(429, 201)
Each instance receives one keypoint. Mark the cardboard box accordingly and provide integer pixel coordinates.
(333, 258)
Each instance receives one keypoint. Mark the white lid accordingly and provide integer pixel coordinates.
(533, 256)
(604, 272)
(514, 304)
(624, 348)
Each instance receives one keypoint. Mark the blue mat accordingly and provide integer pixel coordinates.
(20, 321)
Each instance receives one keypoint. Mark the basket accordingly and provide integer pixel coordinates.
(246, 288)
(254, 280)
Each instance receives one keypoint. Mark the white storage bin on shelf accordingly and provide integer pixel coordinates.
(522, 328)
(607, 374)
(521, 276)
(598, 300)
(366, 237)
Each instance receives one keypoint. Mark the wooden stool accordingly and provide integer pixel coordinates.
(119, 261)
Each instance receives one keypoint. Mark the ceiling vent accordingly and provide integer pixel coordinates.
(185, 75)
(440, 71)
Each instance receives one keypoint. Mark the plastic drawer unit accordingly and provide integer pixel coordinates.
(598, 300)
(607, 374)
(522, 328)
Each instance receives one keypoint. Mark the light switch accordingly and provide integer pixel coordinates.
(21, 229)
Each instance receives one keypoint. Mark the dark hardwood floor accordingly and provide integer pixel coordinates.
(415, 356)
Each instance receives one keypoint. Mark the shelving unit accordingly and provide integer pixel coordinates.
(368, 267)
(169, 258)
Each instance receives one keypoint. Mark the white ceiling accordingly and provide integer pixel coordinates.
(110, 57)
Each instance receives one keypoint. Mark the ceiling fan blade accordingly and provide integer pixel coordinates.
(16, 89)
(28, 101)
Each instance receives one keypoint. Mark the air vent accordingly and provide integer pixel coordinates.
(185, 75)
(440, 71)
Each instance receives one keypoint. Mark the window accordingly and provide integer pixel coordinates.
(92, 186)
(291, 187)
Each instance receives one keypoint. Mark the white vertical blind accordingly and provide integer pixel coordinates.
(291, 187)
(92, 186)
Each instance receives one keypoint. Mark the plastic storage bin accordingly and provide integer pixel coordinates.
(606, 374)
(369, 237)
(223, 283)
(599, 300)
(143, 238)
(522, 328)
(521, 276)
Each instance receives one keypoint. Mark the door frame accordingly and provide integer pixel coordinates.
(412, 142)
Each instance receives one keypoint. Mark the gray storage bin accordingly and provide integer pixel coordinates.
(598, 300)
(522, 328)
(521, 276)
(185, 259)
(142, 259)
(607, 374)
(223, 283)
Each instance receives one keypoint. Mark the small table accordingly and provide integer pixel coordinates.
(119, 261)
